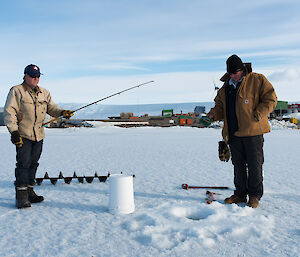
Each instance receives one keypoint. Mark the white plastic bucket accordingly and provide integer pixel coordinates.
(121, 196)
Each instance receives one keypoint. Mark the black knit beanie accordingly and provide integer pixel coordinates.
(234, 64)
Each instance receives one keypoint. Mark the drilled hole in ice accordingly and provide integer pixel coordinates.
(193, 213)
(196, 217)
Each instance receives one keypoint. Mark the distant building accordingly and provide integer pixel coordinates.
(281, 108)
(166, 113)
(199, 109)
(294, 107)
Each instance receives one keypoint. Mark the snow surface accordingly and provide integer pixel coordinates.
(168, 221)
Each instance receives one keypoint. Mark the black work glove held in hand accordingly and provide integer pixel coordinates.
(67, 114)
(16, 139)
(224, 153)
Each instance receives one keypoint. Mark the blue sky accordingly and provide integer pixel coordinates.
(90, 49)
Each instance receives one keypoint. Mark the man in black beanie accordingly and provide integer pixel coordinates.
(244, 102)
(234, 64)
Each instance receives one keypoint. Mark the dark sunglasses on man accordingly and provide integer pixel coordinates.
(35, 76)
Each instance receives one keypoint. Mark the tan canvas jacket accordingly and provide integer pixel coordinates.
(25, 111)
(255, 100)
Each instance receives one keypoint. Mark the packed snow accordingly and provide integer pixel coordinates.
(74, 219)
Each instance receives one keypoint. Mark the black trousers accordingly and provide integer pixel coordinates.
(247, 159)
(27, 162)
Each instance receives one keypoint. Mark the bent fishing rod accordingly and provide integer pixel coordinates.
(118, 93)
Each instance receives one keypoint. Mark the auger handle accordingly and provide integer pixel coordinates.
(185, 186)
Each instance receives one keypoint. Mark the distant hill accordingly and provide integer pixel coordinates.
(102, 111)
(99, 111)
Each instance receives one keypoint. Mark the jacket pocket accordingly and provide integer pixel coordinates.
(246, 109)
(245, 114)
(42, 106)
(27, 106)
(41, 110)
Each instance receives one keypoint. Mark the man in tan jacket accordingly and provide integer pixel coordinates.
(244, 103)
(25, 109)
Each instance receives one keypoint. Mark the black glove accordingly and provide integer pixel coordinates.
(224, 153)
(67, 114)
(16, 139)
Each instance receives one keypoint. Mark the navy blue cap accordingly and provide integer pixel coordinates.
(32, 70)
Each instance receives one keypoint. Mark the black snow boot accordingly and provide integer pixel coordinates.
(33, 197)
(22, 198)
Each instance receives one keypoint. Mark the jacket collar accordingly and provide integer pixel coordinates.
(35, 90)
(235, 83)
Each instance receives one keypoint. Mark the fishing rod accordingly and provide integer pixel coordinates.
(118, 93)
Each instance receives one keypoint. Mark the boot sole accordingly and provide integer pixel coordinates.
(253, 206)
(36, 201)
(23, 207)
(235, 202)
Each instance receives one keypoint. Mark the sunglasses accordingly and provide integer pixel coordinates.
(35, 76)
